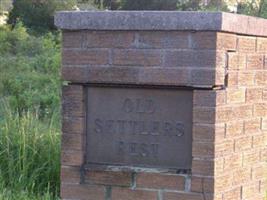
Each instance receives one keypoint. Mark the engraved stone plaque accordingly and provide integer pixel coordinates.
(139, 127)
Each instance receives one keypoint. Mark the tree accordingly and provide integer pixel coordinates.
(185, 5)
(5, 5)
(136, 4)
(253, 8)
(38, 15)
(148, 4)
(262, 11)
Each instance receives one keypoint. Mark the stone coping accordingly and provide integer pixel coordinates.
(161, 20)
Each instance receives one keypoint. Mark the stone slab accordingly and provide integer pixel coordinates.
(161, 20)
(140, 127)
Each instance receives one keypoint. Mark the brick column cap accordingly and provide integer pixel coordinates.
(161, 20)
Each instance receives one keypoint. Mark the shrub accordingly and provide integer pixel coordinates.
(38, 15)
(29, 115)
(31, 70)
(254, 8)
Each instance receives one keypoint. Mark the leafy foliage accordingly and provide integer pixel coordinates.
(29, 114)
(254, 8)
(31, 70)
(184, 5)
(5, 5)
(38, 15)
(148, 4)
(136, 4)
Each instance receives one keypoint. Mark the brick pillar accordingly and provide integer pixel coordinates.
(218, 57)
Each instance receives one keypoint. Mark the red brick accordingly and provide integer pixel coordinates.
(242, 111)
(162, 39)
(204, 115)
(221, 60)
(223, 181)
(85, 57)
(182, 196)
(82, 192)
(124, 193)
(259, 171)
(241, 176)
(226, 41)
(224, 114)
(75, 73)
(162, 76)
(211, 196)
(196, 184)
(208, 97)
(264, 123)
(236, 61)
(251, 157)
(204, 98)
(72, 158)
(208, 132)
(262, 184)
(255, 61)
(263, 154)
(73, 91)
(201, 184)
(218, 166)
(243, 143)
(260, 109)
(261, 78)
(262, 45)
(232, 162)
(108, 178)
(72, 39)
(190, 58)
(160, 181)
(236, 95)
(72, 141)
(224, 147)
(258, 140)
(203, 167)
(70, 174)
(108, 39)
(233, 194)
(249, 190)
(246, 78)
(264, 95)
(252, 126)
(73, 125)
(136, 57)
(234, 128)
(232, 61)
(203, 149)
(246, 44)
(203, 40)
(253, 94)
(232, 79)
(72, 101)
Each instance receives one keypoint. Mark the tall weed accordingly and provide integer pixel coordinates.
(29, 153)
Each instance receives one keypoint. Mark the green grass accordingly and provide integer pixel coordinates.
(24, 195)
(29, 155)
(29, 114)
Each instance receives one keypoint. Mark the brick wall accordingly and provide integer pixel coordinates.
(192, 57)
(175, 57)
(227, 73)
(243, 113)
